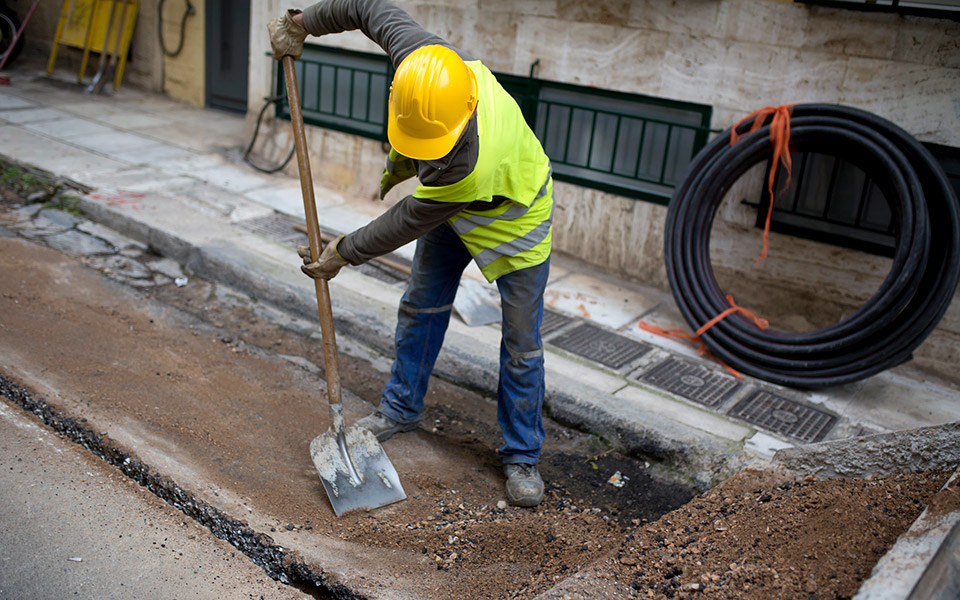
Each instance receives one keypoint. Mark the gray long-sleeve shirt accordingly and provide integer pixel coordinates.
(398, 34)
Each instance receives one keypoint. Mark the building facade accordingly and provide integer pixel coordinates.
(626, 67)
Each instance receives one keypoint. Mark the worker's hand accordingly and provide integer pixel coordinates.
(286, 35)
(399, 168)
(327, 266)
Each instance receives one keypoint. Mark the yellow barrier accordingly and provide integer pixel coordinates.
(96, 26)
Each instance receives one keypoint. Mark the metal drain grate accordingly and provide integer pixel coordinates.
(692, 381)
(782, 415)
(553, 321)
(277, 227)
(600, 346)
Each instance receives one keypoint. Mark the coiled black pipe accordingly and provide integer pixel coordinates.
(909, 303)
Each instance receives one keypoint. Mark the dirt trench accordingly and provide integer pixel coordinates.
(214, 402)
(217, 404)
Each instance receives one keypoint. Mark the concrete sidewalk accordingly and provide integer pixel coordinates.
(171, 176)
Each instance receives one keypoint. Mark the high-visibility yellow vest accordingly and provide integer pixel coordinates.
(511, 164)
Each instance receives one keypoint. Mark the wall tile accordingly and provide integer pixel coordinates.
(928, 42)
(537, 8)
(923, 100)
(701, 17)
(772, 23)
(741, 77)
(591, 54)
(605, 12)
(851, 33)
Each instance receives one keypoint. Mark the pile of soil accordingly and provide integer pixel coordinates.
(761, 536)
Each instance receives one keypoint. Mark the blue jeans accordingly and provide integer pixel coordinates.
(424, 314)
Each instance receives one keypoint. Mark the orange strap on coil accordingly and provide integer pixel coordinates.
(780, 139)
(695, 339)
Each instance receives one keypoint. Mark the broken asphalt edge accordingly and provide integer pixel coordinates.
(678, 452)
(282, 565)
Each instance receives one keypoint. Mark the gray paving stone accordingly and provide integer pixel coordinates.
(76, 243)
(39, 226)
(168, 267)
(25, 213)
(34, 115)
(119, 241)
(8, 102)
(60, 218)
(121, 266)
(62, 129)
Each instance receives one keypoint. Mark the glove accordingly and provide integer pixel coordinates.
(286, 36)
(327, 266)
(399, 168)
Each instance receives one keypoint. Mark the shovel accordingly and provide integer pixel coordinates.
(355, 471)
(102, 66)
(111, 63)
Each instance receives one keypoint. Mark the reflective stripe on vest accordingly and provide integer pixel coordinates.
(468, 222)
(513, 247)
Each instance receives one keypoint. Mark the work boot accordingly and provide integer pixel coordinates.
(383, 427)
(524, 486)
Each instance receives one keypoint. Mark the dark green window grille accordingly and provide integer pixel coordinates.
(342, 90)
(833, 201)
(941, 9)
(628, 144)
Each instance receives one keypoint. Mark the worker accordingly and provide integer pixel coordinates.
(485, 194)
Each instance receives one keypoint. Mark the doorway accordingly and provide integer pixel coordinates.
(228, 54)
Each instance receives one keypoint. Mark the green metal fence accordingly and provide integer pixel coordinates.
(628, 144)
(939, 9)
(341, 89)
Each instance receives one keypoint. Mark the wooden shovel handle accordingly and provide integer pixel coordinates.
(313, 232)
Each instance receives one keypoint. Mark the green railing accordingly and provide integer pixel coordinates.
(938, 9)
(341, 89)
(628, 144)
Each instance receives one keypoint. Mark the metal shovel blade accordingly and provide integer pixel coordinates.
(355, 471)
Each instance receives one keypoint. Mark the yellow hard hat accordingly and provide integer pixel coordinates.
(431, 99)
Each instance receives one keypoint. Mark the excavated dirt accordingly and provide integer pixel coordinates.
(199, 395)
(192, 376)
(763, 536)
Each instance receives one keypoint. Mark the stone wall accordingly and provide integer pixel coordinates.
(735, 55)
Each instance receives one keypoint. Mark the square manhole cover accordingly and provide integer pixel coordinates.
(692, 381)
(553, 321)
(782, 415)
(600, 346)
